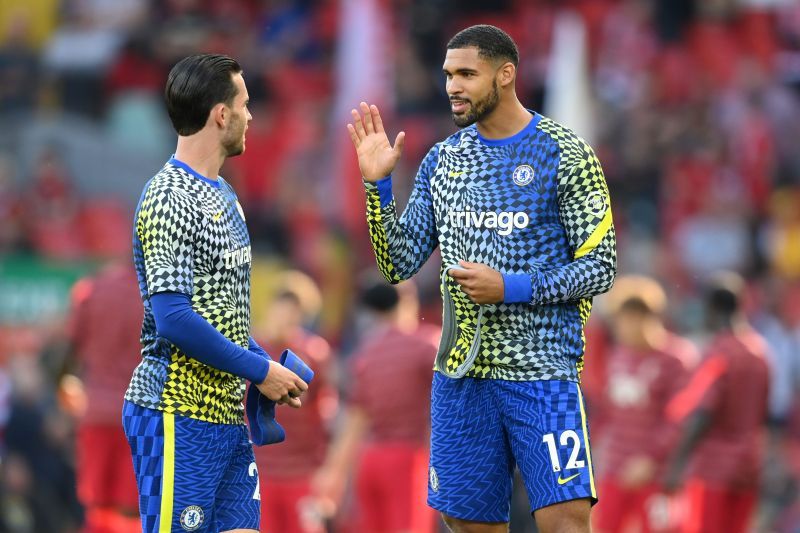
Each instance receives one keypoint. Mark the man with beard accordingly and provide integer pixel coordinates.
(519, 208)
(183, 413)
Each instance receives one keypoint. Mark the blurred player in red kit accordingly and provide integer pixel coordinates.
(723, 411)
(646, 366)
(286, 468)
(386, 426)
(103, 334)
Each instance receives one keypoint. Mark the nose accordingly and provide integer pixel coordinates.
(453, 87)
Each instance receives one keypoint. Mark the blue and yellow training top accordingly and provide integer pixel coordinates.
(190, 237)
(535, 207)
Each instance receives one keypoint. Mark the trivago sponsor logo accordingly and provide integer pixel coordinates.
(504, 222)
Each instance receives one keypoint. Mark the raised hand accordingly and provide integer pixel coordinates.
(376, 157)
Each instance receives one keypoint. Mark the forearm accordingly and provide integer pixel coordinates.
(585, 278)
(344, 448)
(693, 431)
(401, 245)
(197, 338)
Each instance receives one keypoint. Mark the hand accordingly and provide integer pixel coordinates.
(376, 157)
(637, 471)
(327, 488)
(282, 385)
(483, 284)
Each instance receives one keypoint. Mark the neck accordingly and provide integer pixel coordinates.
(201, 153)
(505, 121)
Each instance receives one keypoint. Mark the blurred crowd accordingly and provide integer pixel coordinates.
(695, 114)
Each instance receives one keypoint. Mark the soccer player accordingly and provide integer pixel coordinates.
(287, 467)
(183, 412)
(105, 316)
(646, 367)
(519, 206)
(723, 411)
(385, 428)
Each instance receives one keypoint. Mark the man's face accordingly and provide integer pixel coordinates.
(471, 85)
(234, 135)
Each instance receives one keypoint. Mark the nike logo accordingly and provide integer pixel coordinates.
(217, 216)
(452, 174)
(562, 481)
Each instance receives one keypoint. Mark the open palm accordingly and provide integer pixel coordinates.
(376, 156)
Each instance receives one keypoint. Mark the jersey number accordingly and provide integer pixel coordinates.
(253, 471)
(566, 437)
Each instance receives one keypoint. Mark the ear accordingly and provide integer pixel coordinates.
(506, 74)
(219, 115)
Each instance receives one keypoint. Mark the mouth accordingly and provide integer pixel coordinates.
(459, 106)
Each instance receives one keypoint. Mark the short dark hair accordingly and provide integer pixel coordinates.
(195, 85)
(723, 294)
(380, 297)
(492, 43)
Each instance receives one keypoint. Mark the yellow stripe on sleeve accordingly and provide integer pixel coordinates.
(596, 236)
(586, 443)
(168, 474)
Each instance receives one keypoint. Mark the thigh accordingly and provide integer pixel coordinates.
(178, 463)
(546, 426)
(611, 514)
(471, 468)
(238, 497)
(93, 465)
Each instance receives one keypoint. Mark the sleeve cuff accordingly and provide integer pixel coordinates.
(385, 190)
(517, 288)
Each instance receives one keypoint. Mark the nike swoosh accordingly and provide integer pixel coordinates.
(455, 174)
(217, 216)
(562, 481)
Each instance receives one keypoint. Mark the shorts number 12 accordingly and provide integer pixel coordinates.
(566, 437)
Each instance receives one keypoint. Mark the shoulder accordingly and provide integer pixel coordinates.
(168, 182)
(571, 145)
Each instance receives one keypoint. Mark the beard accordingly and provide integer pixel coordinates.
(233, 141)
(479, 110)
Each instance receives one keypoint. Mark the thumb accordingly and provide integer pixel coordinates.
(399, 142)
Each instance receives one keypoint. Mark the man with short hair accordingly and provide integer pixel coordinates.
(723, 414)
(519, 208)
(183, 412)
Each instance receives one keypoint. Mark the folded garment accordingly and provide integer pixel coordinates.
(264, 429)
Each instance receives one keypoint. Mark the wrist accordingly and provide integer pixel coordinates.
(517, 288)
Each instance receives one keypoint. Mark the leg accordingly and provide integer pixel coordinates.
(456, 525)
(611, 515)
(564, 517)
(546, 427)
(471, 467)
(177, 465)
(238, 495)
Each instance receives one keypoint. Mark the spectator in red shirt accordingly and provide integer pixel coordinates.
(386, 424)
(646, 366)
(723, 411)
(103, 334)
(286, 468)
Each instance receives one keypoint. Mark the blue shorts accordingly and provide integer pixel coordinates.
(192, 475)
(481, 429)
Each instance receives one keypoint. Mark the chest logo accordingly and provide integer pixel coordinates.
(523, 175)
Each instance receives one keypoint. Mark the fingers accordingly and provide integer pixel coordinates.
(460, 274)
(376, 118)
(358, 124)
(367, 112)
(399, 142)
(468, 265)
(301, 385)
(353, 137)
(291, 402)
